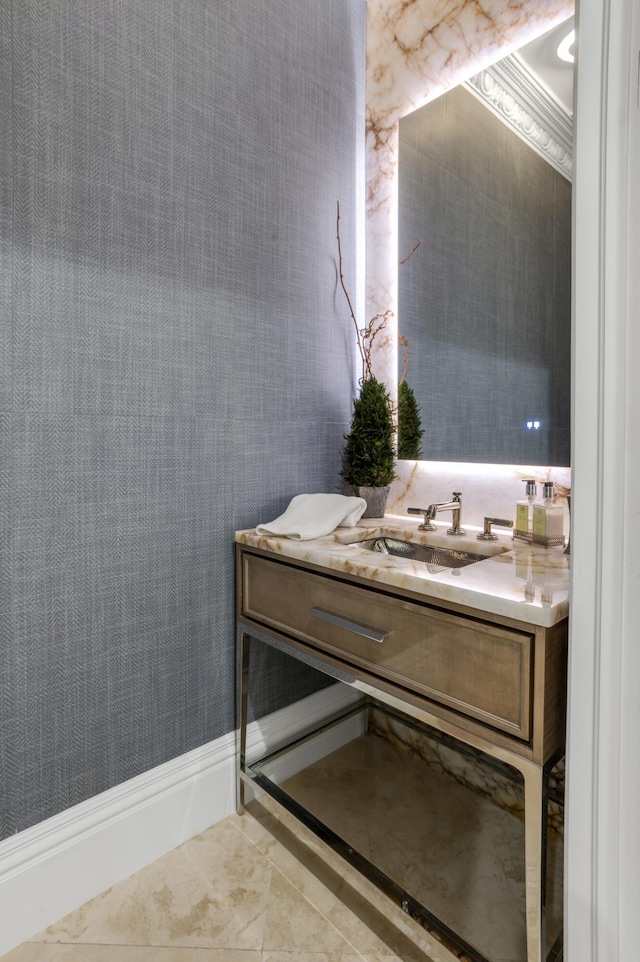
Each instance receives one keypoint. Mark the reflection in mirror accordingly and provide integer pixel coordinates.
(485, 301)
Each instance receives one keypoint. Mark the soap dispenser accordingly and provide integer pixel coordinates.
(548, 518)
(524, 509)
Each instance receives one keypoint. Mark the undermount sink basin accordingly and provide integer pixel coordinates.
(430, 554)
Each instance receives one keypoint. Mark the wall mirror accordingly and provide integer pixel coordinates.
(484, 181)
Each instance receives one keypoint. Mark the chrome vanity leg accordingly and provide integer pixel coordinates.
(535, 804)
(242, 692)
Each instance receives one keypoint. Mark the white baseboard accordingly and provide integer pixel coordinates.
(54, 867)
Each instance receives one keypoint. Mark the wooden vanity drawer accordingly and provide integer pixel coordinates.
(471, 666)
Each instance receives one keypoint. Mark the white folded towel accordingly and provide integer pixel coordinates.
(315, 515)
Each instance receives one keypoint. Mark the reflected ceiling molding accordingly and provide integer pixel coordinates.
(515, 95)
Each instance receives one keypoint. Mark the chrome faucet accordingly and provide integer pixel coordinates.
(487, 534)
(426, 524)
(455, 505)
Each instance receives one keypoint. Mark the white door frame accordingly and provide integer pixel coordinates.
(602, 889)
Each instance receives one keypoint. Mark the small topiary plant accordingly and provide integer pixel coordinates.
(409, 424)
(369, 455)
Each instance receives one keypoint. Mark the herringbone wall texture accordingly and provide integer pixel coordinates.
(175, 359)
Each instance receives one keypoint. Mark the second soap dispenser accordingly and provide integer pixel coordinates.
(548, 518)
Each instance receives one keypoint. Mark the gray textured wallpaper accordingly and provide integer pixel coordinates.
(486, 300)
(175, 358)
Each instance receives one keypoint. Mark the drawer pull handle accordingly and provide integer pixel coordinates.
(371, 633)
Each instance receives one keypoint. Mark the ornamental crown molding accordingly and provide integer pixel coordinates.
(515, 95)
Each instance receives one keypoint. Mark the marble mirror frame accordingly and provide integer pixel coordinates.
(417, 50)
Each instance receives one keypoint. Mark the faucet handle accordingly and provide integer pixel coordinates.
(487, 534)
(426, 524)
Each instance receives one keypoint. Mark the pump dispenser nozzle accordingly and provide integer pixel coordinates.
(524, 509)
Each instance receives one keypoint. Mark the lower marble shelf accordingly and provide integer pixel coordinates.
(453, 857)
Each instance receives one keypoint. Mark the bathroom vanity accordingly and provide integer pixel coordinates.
(477, 654)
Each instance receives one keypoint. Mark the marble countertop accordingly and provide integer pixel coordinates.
(524, 581)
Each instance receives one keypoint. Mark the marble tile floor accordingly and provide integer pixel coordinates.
(253, 888)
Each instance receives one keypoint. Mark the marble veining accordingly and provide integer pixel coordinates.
(524, 582)
(441, 754)
(416, 50)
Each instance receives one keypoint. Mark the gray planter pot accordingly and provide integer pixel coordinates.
(376, 499)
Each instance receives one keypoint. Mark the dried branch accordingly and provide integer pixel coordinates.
(404, 344)
(411, 253)
(369, 335)
(366, 336)
(346, 293)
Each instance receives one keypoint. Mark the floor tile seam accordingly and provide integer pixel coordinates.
(245, 838)
(295, 955)
(352, 949)
(283, 875)
(86, 943)
(236, 820)
(195, 869)
(304, 835)
(317, 851)
(233, 821)
(256, 844)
